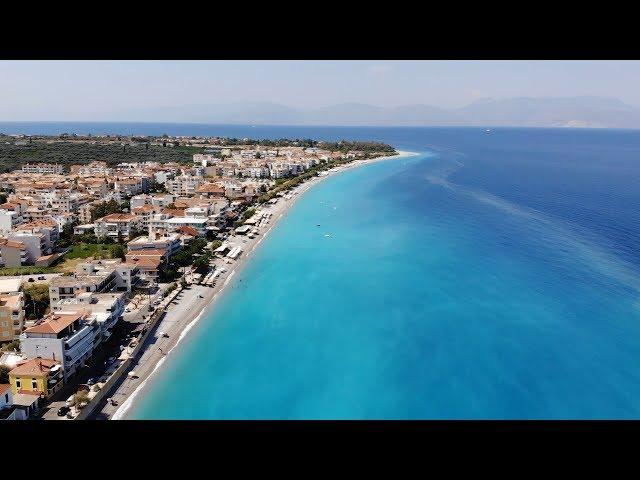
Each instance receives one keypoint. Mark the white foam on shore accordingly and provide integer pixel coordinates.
(227, 280)
(127, 404)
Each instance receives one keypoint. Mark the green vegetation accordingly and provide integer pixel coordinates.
(36, 301)
(95, 250)
(13, 345)
(4, 374)
(246, 215)
(187, 256)
(171, 288)
(66, 236)
(15, 271)
(341, 146)
(105, 208)
(58, 150)
(80, 397)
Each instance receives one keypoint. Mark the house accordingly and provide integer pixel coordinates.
(11, 316)
(149, 263)
(41, 377)
(210, 190)
(64, 337)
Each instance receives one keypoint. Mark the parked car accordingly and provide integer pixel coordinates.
(31, 279)
(41, 278)
(62, 411)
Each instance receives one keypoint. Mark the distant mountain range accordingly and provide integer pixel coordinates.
(539, 112)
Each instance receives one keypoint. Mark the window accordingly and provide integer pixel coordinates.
(18, 384)
(6, 398)
(34, 384)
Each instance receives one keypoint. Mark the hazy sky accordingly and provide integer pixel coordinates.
(96, 90)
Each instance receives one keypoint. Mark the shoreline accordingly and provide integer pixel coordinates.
(212, 295)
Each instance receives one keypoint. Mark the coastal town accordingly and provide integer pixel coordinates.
(105, 263)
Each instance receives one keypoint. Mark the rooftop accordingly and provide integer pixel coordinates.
(34, 367)
(55, 323)
(13, 301)
(8, 285)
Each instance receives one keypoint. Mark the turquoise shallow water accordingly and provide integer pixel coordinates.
(454, 285)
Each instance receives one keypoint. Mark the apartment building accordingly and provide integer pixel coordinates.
(43, 168)
(95, 168)
(169, 243)
(12, 253)
(96, 276)
(65, 337)
(11, 316)
(9, 219)
(184, 184)
(117, 225)
(105, 308)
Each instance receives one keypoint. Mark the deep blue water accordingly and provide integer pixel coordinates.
(496, 275)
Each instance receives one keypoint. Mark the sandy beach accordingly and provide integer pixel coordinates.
(198, 301)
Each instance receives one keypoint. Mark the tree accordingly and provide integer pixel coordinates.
(80, 397)
(4, 374)
(12, 346)
(105, 208)
(36, 299)
(3, 198)
(118, 251)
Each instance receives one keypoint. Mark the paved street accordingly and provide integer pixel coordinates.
(112, 348)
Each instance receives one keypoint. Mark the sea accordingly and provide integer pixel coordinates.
(494, 275)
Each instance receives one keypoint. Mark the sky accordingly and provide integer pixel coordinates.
(117, 90)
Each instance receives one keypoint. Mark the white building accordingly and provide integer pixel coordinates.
(43, 168)
(117, 225)
(8, 220)
(106, 309)
(66, 337)
(184, 184)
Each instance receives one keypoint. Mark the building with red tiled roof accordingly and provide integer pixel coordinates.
(38, 376)
(66, 337)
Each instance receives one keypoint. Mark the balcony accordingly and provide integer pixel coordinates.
(76, 338)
